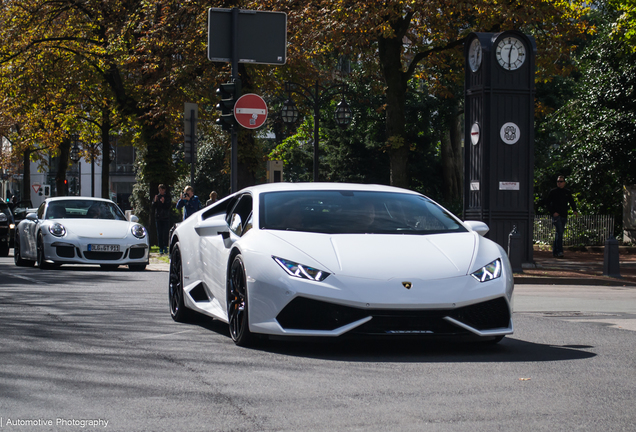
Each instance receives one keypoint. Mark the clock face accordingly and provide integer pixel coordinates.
(474, 55)
(510, 53)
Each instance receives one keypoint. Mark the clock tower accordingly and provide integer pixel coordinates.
(499, 142)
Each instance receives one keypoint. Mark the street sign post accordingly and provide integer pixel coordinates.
(250, 111)
(245, 36)
(261, 36)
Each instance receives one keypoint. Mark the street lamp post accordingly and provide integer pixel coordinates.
(315, 97)
(75, 157)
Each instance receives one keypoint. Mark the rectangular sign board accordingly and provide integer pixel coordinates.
(262, 36)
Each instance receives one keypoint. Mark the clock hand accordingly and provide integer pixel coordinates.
(510, 57)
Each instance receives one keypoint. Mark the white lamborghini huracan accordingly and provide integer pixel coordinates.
(333, 259)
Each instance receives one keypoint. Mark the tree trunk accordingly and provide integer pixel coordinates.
(26, 176)
(452, 160)
(62, 167)
(105, 131)
(390, 51)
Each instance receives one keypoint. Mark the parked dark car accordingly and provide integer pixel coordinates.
(7, 226)
(20, 210)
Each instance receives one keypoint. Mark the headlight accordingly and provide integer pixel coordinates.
(301, 271)
(489, 271)
(3, 217)
(12, 226)
(57, 229)
(138, 231)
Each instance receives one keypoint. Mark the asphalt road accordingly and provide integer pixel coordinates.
(85, 349)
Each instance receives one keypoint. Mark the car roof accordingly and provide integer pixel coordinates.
(322, 186)
(74, 198)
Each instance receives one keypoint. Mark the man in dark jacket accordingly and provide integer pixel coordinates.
(162, 205)
(558, 201)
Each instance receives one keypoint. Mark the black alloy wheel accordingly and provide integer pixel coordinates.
(17, 257)
(178, 310)
(41, 260)
(237, 304)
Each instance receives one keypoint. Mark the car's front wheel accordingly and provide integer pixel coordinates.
(41, 260)
(237, 304)
(17, 255)
(4, 251)
(178, 310)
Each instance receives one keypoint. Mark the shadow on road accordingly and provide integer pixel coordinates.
(412, 350)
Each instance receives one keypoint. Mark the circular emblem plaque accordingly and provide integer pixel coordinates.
(474, 133)
(510, 133)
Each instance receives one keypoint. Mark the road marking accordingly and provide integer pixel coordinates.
(164, 335)
(30, 279)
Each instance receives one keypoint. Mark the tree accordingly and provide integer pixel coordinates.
(596, 129)
(398, 41)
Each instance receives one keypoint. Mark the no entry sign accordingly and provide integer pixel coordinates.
(250, 111)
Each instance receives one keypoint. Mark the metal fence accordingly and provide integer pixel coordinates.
(590, 230)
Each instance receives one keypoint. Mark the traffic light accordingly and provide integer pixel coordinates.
(229, 93)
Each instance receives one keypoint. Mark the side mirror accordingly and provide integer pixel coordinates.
(477, 226)
(32, 217)
(134, 218)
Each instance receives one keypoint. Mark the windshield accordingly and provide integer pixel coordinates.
(83, 209)
(347, 212)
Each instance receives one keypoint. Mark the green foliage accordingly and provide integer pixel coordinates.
(591, 138)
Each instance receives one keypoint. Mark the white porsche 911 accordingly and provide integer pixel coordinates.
(330, 259)
(80, 230)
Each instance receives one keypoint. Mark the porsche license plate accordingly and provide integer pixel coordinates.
(103, 248)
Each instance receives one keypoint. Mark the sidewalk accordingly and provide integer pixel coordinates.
(156, 263)
(579, 268)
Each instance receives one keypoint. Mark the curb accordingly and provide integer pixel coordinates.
(530, 280)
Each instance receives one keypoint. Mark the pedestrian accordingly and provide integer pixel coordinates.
(558, 201)
(189, 202)
(162, 204)
(213, 198)
(13, 203)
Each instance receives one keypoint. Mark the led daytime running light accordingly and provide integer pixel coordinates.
(301, 271)
(138, 231)
(57, 229)
(489, 271)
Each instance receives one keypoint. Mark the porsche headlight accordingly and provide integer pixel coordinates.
(57, 229)
(138, 231)
(301, 271)
(488, 272)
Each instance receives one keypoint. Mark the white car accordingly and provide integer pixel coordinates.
(80, 230)
(331, 260)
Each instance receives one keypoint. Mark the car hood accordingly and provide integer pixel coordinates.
(380, 256)
(96, 228)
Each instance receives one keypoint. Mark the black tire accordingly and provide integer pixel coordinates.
(237, 306)
(109, 266)
(137, 267)
(42, 264)
(4, 251)
(17, 257)
(494, 341)
(178, 309)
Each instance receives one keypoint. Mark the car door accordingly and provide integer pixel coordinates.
(216, 250)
